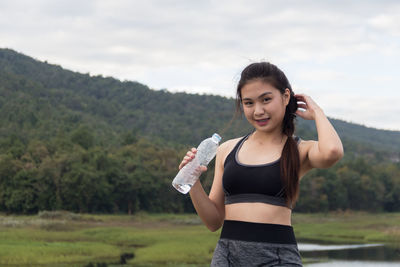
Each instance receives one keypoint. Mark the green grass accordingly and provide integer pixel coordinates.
(348, 227)
(65, 239)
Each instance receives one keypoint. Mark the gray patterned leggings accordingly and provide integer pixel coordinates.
(256, 244)
(237, 253)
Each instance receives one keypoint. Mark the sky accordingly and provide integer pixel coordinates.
(344, 54)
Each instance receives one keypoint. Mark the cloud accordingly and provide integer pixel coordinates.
(201, 46)
(379, 113)
(388, 23)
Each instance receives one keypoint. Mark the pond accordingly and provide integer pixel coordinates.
(351, 255)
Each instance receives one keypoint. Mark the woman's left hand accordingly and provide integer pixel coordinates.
(308, 104)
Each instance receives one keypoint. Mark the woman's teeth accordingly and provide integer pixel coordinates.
(264, 119)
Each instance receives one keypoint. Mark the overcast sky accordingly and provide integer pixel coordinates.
(344, 54)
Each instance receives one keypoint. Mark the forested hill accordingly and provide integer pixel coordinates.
(96, 144)
(46, 98)
(39, 99)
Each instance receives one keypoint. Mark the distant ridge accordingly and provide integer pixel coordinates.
(71, 141)
(38, 100)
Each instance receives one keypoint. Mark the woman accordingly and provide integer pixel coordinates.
(257, 176)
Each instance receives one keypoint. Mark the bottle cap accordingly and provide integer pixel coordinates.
(217, 137)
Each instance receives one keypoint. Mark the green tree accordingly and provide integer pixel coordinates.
(83, 137)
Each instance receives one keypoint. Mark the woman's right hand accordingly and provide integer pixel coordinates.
(188, 157)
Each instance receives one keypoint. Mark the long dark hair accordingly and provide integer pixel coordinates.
(290, 160)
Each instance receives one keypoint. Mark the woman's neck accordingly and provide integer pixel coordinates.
(263, 138)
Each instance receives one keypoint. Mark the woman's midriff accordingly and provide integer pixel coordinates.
(258, 212)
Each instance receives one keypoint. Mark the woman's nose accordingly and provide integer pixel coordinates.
(259, 110)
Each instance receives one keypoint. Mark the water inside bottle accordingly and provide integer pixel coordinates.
(183, 188)
(189, 174)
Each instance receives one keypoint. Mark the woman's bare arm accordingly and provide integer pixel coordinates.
(328, 149)
(211, 209)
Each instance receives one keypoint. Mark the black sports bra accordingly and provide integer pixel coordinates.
(252, 183)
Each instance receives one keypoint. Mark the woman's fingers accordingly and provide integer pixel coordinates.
(199, 170)
(302, 98)
(300, 105)
(308, 104)
(192, 152)
(188, 157)
(299, 96)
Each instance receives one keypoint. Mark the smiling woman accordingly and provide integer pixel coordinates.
(256, 182)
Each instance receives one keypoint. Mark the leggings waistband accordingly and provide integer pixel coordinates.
(258, 232)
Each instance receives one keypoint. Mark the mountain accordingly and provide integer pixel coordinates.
(84, 143)
(40, 100)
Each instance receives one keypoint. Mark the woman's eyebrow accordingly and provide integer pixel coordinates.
(260, 96)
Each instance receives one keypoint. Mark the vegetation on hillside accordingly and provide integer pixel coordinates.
(92, 144)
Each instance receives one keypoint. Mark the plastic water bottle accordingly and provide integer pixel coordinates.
(189, 174)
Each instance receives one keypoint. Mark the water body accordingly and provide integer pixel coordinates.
(364, 255)
(355, 264)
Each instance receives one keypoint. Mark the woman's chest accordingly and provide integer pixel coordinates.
(258, 155)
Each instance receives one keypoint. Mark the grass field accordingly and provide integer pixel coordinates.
(67, 239)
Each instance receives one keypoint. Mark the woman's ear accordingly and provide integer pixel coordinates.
(286, 96)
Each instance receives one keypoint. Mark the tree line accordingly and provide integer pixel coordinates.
(96, 144)
(71, 173)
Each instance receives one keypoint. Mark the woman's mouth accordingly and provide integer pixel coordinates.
(262, 122)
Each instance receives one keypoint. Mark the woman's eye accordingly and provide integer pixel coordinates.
(266, 99)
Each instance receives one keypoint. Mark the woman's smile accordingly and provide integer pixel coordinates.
(262, 122)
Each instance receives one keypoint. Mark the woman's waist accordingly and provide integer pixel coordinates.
(258, 232)
(258, 213)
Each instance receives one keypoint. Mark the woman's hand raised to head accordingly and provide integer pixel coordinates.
(188, 157)
(310, 107)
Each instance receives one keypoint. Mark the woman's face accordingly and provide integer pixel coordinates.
(264, 105)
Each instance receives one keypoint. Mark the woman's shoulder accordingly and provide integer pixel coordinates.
(304, 147)
(303, 142)
(226, 147)
(231, 142)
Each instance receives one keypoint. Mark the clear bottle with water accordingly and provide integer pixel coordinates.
(189, 174)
